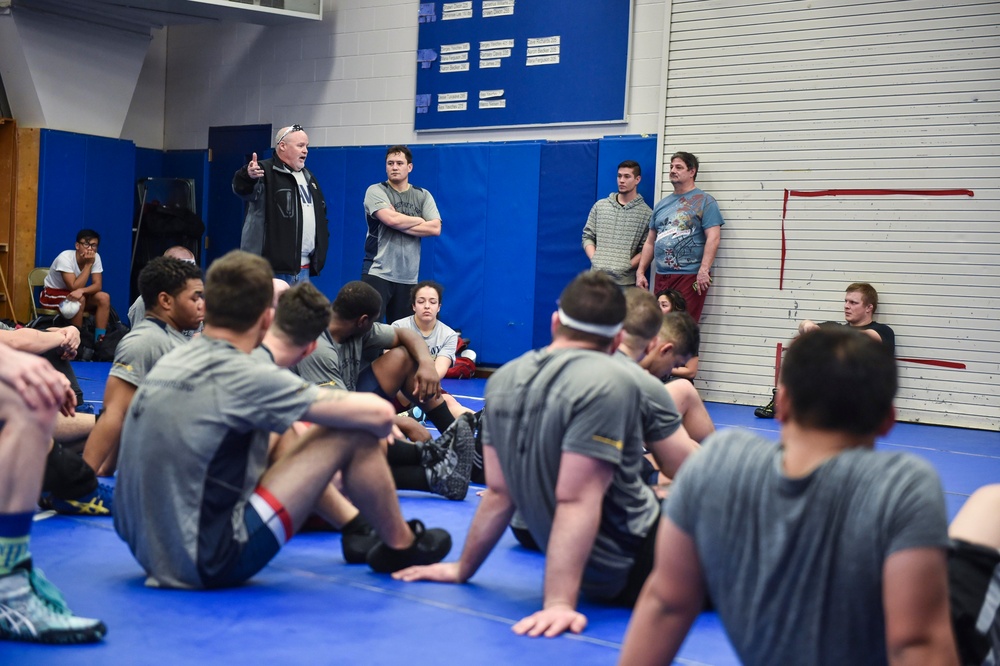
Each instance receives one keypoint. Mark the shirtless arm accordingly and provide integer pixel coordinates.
(31, 340)
(671, 451)
(580, 492)
(645, 259)
(347, 409)
(915, 599)
(427, 381)
(669, 603)
(101, 449)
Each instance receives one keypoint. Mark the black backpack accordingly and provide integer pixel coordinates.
(91, 350)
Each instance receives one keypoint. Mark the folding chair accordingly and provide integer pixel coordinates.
(36, 279)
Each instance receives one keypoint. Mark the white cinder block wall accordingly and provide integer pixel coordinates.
(350, 79)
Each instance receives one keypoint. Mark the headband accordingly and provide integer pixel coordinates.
(604, 330)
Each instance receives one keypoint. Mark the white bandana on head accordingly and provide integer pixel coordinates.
(604, 330)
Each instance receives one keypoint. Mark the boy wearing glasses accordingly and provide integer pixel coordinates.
(66, 286)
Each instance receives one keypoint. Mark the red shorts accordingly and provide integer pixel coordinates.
(52, 298)
(684, 283)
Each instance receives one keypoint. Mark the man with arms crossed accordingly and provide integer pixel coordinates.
(817, 551)
(616, 227)
(195, 499)
(684, 234)
(563, 435)
(399, 215)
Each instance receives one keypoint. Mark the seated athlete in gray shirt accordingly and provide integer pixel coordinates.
(817, 551)
(197, 500)
(563, 434)
(358, 353)
(172, 290)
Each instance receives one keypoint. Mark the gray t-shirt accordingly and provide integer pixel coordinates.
(443, 341)
(339, 364)
(395, 256)
(659, 414)
(143, 346)
(194, 446)
(137, 312)
(550, 401)
(794, 566)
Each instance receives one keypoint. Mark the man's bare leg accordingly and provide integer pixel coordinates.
(25, 438)
(976, 521)
(24, 444)
(100, 305)
(331, 504)
(72, 428)
(303, 473)
(394, 371)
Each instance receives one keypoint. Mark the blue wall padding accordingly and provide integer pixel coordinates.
(329, 166)
(457, 259)
(616, 149)
(428, 162)
(87, 182)
(365, 166)
(512, 213)
(510, 252)
(569, 182)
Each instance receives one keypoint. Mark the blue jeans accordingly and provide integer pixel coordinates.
(294, 278)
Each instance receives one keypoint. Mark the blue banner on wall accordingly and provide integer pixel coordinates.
(503, 63)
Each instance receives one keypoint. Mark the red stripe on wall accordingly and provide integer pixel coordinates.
(930, 361)
(851, 193)
(880, 193)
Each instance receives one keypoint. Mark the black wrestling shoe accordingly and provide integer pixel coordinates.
(358, 541)
(767, 411)
(429, 546)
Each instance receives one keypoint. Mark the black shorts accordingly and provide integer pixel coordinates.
(974, 590)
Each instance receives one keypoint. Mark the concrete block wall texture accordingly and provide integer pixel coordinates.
(350, 79)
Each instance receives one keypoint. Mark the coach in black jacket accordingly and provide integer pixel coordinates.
(286, 212)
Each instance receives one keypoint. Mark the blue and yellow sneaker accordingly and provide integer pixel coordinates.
(100, 502)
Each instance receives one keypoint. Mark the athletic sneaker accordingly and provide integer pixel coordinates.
(32, 610)
(767, 411)
(429, 546)
(356, 545)
(100, 502)
(447, 461)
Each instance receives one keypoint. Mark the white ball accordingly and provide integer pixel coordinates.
(469, 354)
(69, 308)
